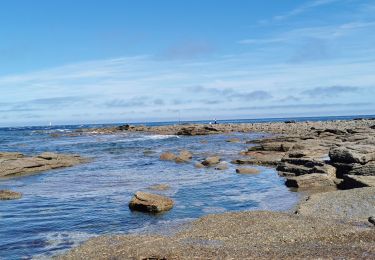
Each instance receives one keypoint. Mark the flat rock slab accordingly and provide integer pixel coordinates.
(9, 195)
(147, 202)
(355, 204)
(244, 235)
(310, 181)
(16, 164)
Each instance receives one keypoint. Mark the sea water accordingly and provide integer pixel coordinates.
(64, 207)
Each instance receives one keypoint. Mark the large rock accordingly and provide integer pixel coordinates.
(354, 204)
(12, 164)
(210, 161)
(9, 195)
(147, 202)
(314, 180)
(352, 154)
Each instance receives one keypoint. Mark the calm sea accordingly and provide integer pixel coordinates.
(64, 207)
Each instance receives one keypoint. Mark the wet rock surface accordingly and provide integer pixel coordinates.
(16, 164)
(148, 202)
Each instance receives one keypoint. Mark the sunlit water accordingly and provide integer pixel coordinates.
(64, 207)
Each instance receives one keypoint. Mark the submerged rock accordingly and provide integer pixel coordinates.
(210, 161)
(147, 202)
(159, 187)
(184, 156)
(233, 140)
(199, 165)
(9, 195)
(168, 156)
(243, 170)
(221, 166)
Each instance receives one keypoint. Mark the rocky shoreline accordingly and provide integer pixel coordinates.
(333, 161)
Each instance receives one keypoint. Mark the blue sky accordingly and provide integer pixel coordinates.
(128, 61)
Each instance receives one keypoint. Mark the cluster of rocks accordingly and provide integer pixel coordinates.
(341, 157)
(286, 127)
(182, 157)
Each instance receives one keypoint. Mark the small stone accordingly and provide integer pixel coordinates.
(234, 140)
(159, 187)
(371, 220)
(9, 195)
(247, 171)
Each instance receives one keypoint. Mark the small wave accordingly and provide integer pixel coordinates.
(149, 137)
(60, 242)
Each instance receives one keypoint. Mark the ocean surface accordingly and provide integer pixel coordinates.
(64, 207)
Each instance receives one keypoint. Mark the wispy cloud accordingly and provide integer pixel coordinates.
(299, 10)
(330, 91)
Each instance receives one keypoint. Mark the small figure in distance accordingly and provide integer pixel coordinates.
(215, 122)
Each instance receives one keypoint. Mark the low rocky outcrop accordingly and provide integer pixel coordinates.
(147, 202)
(265, 158)
(273, 146)
(314, 180)
(9, 195)
(15, 164)
(247, 170)
(197, 130)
